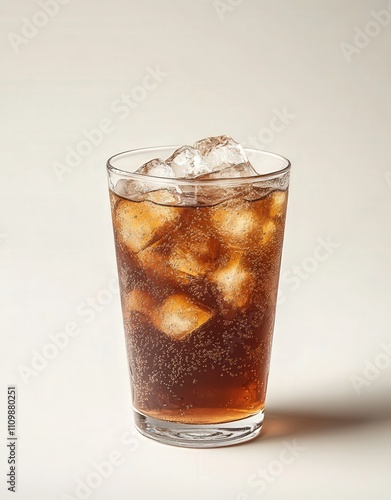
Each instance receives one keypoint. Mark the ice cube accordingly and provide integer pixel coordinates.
(139, 191)
(187, 263)
(268, 231)
(138, 300)
(139, 224)
(128, 188)
(187, 162)
(231, 172)
(156, 168)
(163, 197)
(221, 151)
(216, 193)
(151, 189)
(136, 189)
(195, 251)
(154, 260)
(234, 282)
(204, 194)
(236, 223)
(278, 199)
(179, 316)
(184, 254)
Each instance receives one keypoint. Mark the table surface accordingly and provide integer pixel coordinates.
(84, 80)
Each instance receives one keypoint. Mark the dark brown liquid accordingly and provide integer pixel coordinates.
(198, 291)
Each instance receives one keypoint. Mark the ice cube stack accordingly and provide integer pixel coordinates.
(213, 157)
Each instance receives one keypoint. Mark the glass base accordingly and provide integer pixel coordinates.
(202, 435)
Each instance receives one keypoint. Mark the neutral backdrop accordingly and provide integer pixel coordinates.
(308, 79)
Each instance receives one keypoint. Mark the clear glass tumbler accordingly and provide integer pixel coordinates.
(198, 264)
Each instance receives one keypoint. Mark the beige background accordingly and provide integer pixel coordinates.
(222, 67)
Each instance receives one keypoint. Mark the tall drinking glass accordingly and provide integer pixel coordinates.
(198, 264)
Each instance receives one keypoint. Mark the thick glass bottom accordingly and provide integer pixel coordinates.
(199, 435)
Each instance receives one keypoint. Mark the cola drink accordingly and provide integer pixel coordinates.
(198, 265)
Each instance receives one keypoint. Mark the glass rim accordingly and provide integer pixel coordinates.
(194, 181)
